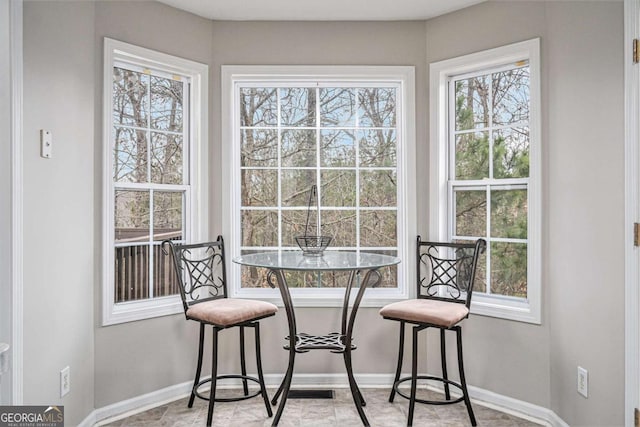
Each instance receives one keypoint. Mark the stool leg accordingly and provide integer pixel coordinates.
(263, 389)
(198, 368)
(243, 364)
(463, 381)
(414, 375)
(399, 367)
(443, 357)
(214, 375)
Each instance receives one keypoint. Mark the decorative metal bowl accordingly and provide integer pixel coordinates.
(313, 245)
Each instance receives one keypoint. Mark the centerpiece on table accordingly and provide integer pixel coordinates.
(313, 245)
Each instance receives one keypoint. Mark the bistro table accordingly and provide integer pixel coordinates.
(277, 263)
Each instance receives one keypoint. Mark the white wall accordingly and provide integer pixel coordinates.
(59, 213)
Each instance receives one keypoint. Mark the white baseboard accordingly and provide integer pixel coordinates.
(480, 396)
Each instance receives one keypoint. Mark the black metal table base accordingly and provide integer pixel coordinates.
(335, 342)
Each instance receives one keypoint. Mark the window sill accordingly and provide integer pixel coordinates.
(141, 310)
(505, 308)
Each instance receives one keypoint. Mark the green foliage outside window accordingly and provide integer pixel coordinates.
(490, 139)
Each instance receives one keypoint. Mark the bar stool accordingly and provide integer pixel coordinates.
(201, 274)
(445, 278)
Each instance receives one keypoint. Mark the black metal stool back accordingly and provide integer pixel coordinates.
(201, 273)
(447, 271)
(446, 274)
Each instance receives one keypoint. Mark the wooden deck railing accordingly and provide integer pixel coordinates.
(132, 269)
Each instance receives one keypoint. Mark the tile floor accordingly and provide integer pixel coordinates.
(339, 412)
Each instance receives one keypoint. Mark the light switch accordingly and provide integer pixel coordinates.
(46, 144)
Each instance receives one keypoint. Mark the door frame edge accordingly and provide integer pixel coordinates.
(16, 65)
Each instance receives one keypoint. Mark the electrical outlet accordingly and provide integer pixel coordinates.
(65, 381)
(583, 381)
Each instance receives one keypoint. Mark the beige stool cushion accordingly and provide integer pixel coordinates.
(440, 313)
(230, 311)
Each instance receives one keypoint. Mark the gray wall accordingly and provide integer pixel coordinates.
(136, 358)
(583, 210)
(59, 211)
(5, 195)
(323, 43)
(585, 217)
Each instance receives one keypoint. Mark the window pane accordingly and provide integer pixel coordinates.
(166, 104)
(509, 214)
(167, 215)
(472, 103)
(259, 187)
(130, 97)
(337, 107)
(378, 228)
(166, 158)
(377, 107)
(131, 273)
(341, 225)
(327, 156)
(511, 96)
(377, 148)
(511, 153)
(338, 148)
(130, 162)
(131, 216)
(378, 188)
(298, 148)
(253, 277)
(259, 228)
(470, 213)
(335, 279)
(302, 279)
(296, 185)
(509, 269)
(298, 106)
(259, 148)
(293, 223)
(389, 274)
(165, 281)
(472, 156)
(480, 284)
(338, 188)
(258, 107)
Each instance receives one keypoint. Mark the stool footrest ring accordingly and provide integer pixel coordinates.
(227, 399)
(429, 402)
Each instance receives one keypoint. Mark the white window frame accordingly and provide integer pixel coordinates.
(404, 76)
(528, 309)
(196, 225)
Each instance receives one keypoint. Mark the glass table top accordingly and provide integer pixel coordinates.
(330, 260)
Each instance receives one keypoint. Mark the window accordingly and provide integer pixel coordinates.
(344, 132)
(153, 129)
(486, 171)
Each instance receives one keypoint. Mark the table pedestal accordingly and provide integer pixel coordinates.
(336, 342)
